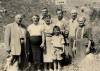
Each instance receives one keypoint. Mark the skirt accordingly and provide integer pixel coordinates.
(57, 54)
(37, 51)
(48, 53)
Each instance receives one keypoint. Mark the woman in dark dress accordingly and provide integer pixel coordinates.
(35, 30)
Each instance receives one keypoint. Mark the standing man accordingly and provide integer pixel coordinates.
(72, 25)
(62, 24)
(44, 13)
(15, 40)
(60, 20)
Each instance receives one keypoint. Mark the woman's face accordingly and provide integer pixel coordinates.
(35, 19)
(48, 20)
(81, 23)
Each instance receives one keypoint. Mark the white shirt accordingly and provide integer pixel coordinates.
(72, 25)
(62, 24)
(35, 30)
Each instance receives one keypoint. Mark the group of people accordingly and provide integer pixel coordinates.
(47, 41)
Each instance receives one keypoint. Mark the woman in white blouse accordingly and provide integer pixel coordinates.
(35, 30)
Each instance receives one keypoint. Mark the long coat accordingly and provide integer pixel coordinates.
(12, 38)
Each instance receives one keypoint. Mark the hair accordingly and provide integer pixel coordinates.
(82, 18)
(56, 27)
(48, 16)
(36, 16)
(59, 10)
(45, 8)
(18, 15)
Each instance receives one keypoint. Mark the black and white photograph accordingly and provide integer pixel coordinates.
(49, 35)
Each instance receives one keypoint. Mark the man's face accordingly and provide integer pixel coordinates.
(35, 19)
(44, 12)
(60, 15)
(18, 19)
(74, 15)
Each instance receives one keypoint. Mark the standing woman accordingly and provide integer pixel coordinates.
(48, 52)
(35, 30)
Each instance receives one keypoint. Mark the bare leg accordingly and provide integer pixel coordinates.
(45, 66)
(38, 67)
(50, 67)
(59, 66)
(55, 65)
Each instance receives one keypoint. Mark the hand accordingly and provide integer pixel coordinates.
(74, 49)
(42, 45)
(87, 50)
(8, 51)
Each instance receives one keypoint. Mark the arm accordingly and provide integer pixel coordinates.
(43, 37)
(89, 33)
(74, 43)
(43, 40)
(66, 32)
(62, 43)
(7, 38)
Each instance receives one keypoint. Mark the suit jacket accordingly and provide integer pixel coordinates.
(12, 38)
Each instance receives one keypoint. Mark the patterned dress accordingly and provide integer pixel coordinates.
(58, 46)
(48, 53)
(83, 35)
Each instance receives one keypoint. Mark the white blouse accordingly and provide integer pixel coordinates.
(35, 30)
(72, 26)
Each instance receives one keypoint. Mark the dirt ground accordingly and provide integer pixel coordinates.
(90, 63)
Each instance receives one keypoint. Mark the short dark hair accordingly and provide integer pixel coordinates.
(56, 27)
(45, 8)
(48, 16)
(37, 16)
(59, 10)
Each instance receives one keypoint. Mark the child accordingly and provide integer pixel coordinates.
(58, 45)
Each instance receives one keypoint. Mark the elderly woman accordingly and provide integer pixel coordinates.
(35, 30)
(82, 42)
(48, 49)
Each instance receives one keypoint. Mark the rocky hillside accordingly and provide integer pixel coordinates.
(8, 9)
